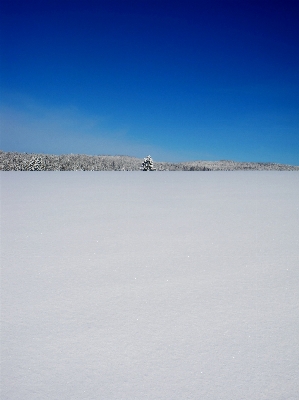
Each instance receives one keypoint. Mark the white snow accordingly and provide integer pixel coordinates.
(161, 285)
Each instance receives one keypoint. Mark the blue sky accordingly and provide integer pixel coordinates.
(180, 80)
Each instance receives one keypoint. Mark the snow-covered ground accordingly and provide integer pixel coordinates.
(161, 285)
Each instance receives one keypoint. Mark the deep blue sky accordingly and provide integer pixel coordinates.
(180, 80)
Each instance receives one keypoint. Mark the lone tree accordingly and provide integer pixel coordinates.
(148, 164)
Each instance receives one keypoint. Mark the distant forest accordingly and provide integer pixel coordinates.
(13, 161)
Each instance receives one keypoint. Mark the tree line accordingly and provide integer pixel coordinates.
(14, 161)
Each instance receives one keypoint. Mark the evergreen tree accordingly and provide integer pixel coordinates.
(148, 164)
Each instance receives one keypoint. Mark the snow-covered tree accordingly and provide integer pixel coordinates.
(35, 164)
(148, 164)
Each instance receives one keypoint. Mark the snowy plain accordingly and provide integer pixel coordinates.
(158, 286)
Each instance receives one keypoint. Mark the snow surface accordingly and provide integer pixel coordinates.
(160, 285)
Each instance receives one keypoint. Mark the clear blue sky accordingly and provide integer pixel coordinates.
(180, 80)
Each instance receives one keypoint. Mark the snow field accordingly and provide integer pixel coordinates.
(162, 285)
